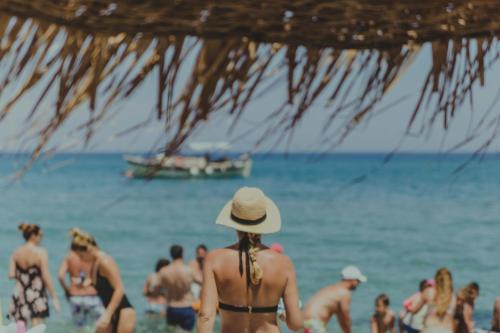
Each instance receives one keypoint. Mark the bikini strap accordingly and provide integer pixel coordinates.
(248, 309)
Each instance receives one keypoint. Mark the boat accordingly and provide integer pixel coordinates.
(200, 165)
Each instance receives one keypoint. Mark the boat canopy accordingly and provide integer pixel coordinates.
(209, 146)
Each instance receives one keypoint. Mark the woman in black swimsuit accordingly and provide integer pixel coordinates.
(119, 316)
(247, 280)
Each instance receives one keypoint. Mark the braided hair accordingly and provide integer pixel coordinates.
(249, 246)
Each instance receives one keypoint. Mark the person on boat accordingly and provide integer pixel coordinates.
(441, 304)
(246, 280)
(466, 297)
(153, 292)
(383, 320)
(29, 267)
(119, 316)
(86, 306)
(333, 300)
(177, 279)
(414, 322)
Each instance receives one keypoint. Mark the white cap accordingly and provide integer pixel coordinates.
(353, 273)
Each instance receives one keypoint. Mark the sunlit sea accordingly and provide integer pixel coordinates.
(397, 221)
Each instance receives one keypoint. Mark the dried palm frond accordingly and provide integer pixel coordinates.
(92, 54)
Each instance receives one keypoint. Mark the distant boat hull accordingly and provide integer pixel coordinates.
(193, 167)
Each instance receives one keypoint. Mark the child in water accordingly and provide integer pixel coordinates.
(383, 320)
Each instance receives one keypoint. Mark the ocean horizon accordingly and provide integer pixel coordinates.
(398, 221)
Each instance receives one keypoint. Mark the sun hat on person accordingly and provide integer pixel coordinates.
(250, 210)
(353, 273)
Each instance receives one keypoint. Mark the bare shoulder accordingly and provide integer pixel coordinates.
(41, 253)
(105, 260)
(161, 273)
(218, 254)
(16, 252)
(72, 258)
(218, 259)
(342, 293)
(284, 261)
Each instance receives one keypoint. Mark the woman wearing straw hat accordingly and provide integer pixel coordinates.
(246, 280)
(119, 316)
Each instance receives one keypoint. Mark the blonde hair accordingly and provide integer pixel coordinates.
(444, 291)
(250, 246)
(82, 239)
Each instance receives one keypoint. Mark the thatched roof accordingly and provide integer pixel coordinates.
(94, 53)
(319, 23)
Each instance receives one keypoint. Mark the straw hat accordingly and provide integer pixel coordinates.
(251, 211)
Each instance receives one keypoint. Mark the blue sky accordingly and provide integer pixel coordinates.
(383, 132)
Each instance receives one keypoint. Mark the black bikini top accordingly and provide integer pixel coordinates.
(248, 309)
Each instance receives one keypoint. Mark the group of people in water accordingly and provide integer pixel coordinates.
(95, 290)
(249, 285)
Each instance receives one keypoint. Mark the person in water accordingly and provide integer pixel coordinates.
(414, 322)
(119, 316)
(177, 279)
(246, 280)
(441, 304)
(464, 314)
(383, 320)
(154, 293)
(86, 306)
(197, 263)
(495, 318)
(29, 267)
(334, 300)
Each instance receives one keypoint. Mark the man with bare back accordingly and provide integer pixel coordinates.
(177, 279)
(333, 300)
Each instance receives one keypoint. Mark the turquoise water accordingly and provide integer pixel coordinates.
(398, 222)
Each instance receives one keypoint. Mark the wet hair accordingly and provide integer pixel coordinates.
(176, 252)
(444, 291)
(467, 293)
(474, 286)
(249, 246)
(202, 247)
(81, 240)
(29, 230)
(162, 262)
(422, 285)
(382, 298)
